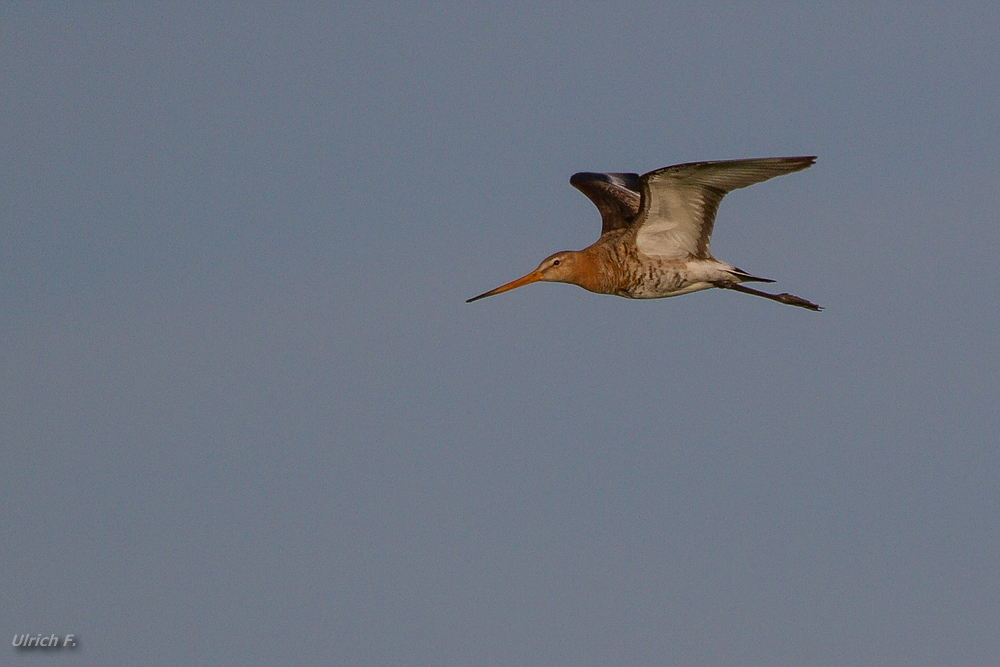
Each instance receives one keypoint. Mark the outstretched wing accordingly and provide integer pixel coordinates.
(679, 203)
(615, 195)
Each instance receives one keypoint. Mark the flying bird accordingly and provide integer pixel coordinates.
(655, 232)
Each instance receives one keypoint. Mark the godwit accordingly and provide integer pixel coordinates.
(655, 232)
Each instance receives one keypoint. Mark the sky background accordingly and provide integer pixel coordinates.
(247, 418)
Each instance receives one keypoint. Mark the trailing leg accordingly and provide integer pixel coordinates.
(784, 297)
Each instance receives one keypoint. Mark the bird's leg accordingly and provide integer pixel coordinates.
(784, 297)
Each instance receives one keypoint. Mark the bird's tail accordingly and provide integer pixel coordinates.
(745, 277)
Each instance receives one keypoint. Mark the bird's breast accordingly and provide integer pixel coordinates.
(649, 278)
(614, 265)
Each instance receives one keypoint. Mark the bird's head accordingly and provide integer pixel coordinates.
(563, 267)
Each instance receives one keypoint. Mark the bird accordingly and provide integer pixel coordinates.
(655, 232)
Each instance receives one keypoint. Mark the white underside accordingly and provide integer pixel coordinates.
(683, 277)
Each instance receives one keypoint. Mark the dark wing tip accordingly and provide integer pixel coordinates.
(616, 195)
(799, 162)
(581, 179)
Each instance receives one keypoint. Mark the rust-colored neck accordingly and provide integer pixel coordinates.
(595, 270)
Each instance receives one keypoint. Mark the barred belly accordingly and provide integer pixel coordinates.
(660, 279)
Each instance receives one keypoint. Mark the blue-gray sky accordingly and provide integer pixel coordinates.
(247, 418)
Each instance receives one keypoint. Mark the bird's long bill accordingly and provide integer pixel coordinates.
(532, 277)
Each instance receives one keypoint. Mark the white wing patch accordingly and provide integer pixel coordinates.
(674, 222)
(679, 203)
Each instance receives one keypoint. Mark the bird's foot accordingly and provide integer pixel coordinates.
(793, 300)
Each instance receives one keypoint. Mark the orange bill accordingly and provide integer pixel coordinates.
(532, 277)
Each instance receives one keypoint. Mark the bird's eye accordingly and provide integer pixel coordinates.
(555, 262)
